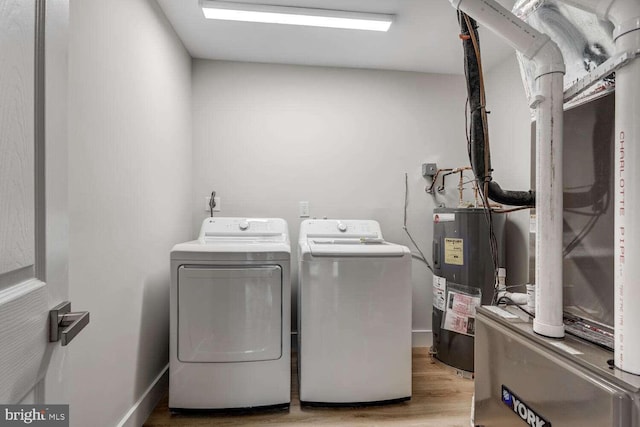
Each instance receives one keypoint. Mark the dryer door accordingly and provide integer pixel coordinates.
(228, 314)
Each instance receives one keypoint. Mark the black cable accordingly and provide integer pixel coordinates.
(419, 258)
(212, 202)
(404, 226)
(509, 301)
(600, 209)
(476, 130)
(577, 212)
(519, 208)
(581, 235)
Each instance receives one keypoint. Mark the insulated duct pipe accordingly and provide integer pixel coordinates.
(625, 16)
(479, 155)
(548, 102)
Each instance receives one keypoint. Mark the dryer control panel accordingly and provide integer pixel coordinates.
(264, 229)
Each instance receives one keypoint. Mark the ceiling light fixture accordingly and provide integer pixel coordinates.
(271, 14)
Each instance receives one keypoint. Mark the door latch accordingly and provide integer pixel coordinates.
(65, 325)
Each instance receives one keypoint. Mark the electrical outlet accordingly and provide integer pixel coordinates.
(304, 209)
(429, 170)
(218, 206)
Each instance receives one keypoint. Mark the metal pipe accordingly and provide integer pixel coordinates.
(548, 101)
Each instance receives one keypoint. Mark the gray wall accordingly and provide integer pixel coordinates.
(268, 136)
(510, 135)
(129, 198)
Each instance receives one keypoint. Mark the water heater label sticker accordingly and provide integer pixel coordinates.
(460, 315)
(454, 251)
(444, 217)
(439, 290)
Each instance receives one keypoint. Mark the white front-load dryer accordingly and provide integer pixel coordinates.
(354, 321)
(230, 329)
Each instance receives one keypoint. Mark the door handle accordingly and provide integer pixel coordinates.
(65, 325)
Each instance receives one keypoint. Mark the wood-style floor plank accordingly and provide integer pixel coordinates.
(440, 399)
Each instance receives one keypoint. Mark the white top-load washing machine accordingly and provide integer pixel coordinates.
(230, 328)
(354, 321)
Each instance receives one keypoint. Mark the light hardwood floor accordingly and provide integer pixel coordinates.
(440, 399)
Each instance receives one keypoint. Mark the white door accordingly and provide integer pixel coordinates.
(33, 198)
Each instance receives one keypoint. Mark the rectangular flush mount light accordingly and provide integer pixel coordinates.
(271, 14)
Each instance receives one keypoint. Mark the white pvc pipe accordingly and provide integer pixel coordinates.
(548, 101)
(515, 31)
(627, 212)
(521, 36)
(625, 15)
(549, 115)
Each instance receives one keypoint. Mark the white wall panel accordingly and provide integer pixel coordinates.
(269, 136)
(129, 198)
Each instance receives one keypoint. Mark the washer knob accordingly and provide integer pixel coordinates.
(243, 225)
(342, 227)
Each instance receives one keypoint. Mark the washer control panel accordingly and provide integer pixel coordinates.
(344, 228)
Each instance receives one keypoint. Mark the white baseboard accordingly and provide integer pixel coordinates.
(419, 338)
(140, 411)
(422, 338)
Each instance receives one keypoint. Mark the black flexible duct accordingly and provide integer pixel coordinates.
(477, 140)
